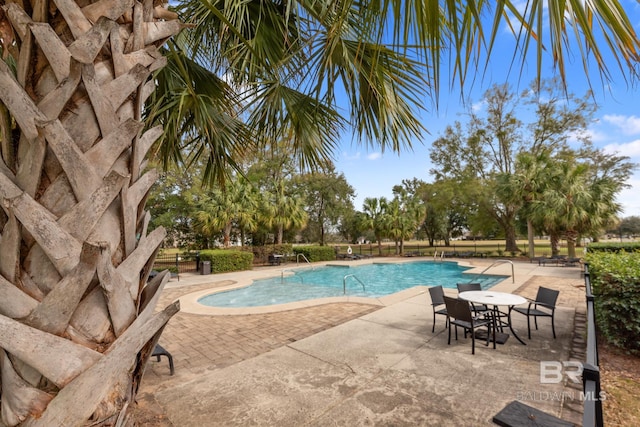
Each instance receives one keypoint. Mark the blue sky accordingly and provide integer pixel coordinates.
(616, 130)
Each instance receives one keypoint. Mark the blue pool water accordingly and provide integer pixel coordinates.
(329, 281)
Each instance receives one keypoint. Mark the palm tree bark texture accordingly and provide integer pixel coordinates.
(77, 315)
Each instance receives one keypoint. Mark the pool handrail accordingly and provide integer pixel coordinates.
(301, 255)
(293, 275)
(499, 261)
(344, 282)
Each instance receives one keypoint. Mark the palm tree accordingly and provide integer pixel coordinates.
(525, 186)
(403, 216)
(571, 204)
(215, 215)
(374, 217)
(224, 207)
(284, 211)
(246, 208)
(77, 316)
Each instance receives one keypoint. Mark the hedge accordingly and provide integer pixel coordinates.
(261, 253)
(615, 278)
(316, 253)
(226, 260)
(613, 247)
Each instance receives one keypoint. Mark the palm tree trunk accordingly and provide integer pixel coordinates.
(530, 239)
(227, 235)
(572, 237)
(379, 245)
(554, 239)
(77, 316)
(511, 244)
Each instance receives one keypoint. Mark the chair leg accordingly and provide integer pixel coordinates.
(553, 327)
(535, 320)
(160, 351)
(433, 329)
(449, 341)
(494, 334)
(171, 369)
(529, 326)
(473, 342)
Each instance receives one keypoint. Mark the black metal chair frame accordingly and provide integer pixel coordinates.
(437, 299)
(274, 260)
(543, 306)
(472, 286)
(460, 314)
(158, 351)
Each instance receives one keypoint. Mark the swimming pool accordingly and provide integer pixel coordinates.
(370, 280)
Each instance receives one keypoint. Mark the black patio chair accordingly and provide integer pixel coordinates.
(437, 300)
(543, 306)
(460, 314)
(274, 260)
(158, 351)
(464, 287)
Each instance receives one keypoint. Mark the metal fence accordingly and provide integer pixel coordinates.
(592, 415)
(177, 263)
(457, 248)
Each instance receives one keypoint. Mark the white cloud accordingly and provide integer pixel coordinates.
(629, 125)
(374, 156)
(591, 134)
(478, 106)
(630, 149)
(628, 198)
(351, 156)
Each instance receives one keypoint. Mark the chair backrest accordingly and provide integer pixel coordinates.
(437, 295)
(547, 297)
(458, 309)
(464, 287)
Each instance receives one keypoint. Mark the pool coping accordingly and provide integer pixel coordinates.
(189, 302)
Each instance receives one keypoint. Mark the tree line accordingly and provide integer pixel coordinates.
(524, 165)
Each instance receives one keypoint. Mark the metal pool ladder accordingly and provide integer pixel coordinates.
(294, 275)
(301, 255)
(499, 261)
(344, 282)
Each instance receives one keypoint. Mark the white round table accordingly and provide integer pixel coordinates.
(496, 299)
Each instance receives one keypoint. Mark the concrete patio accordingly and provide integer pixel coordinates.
(353, 364)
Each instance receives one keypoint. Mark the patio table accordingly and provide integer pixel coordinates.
(497, 299)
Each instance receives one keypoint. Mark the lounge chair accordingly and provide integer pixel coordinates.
(571, 262)
(555, 259)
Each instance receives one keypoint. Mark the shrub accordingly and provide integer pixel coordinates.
(614, 247)
(225, 260)
(261, 253)
(316, 253)
(615, 279)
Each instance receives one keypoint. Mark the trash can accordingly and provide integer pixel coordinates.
(206, 267)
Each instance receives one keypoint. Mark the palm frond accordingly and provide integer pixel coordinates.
(200, 116)
(312, 127)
